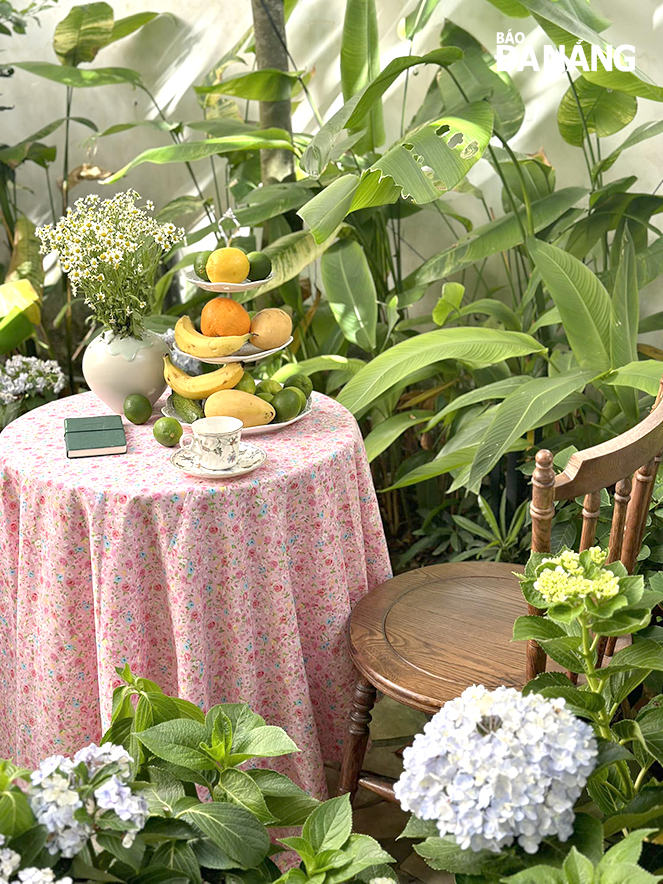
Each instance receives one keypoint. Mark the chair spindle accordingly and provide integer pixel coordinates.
(590, 514)
(621, 500)
(542, 509)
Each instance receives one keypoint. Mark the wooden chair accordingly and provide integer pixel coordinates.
(423, 637)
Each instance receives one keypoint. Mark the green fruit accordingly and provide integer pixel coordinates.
(167, 431)
(303, 382)
(286, 405)
(200, 263)
(246, 384)
(259, 265)
(188, 409)
(300, 396)
(137, 408)
(266, 397)
(269, 386)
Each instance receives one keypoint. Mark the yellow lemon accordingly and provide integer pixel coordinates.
(227, 265)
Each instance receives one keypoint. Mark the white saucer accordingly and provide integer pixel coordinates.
(247, 353)
(245, 286)
(250, 458)
(168, 411)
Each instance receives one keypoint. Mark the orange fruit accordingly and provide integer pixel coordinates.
(223, 316)
(227, 265)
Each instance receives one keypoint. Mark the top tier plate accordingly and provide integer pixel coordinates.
(228, 287)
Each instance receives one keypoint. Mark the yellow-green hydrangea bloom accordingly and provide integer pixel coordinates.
(568, 582)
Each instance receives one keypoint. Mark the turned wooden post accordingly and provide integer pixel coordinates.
(356, 739)
(542, 509)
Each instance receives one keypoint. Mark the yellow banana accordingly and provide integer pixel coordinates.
(191, 341)
(204, 385)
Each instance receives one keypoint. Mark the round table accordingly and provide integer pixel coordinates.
(220, 591)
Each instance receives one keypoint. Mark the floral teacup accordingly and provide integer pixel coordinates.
(215, 442)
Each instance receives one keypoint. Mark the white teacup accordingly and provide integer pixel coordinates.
(215, 442)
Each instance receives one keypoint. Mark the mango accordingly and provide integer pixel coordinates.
(250, 409)
(270, 328)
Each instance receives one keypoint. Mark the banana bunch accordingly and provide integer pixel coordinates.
(192, 342)
(204, 385)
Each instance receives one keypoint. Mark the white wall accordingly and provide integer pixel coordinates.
(172, 53)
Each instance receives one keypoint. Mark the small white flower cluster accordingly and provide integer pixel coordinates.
(110, 249)
(496, 766)
(10, 861)
(57, 793)
(23, 376)
(569, 581)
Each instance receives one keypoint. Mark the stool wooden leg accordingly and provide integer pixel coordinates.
(356, 739)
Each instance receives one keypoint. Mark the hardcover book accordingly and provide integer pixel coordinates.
(93, 442)
(84, 424)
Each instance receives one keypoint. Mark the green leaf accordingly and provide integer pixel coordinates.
(123, 27)
(244, 791)
(496, 390)
(330, 824)
(15, 814)
(363, 852)
(177, 742)
(496, 236)
(602, 110)
(444, 855)
(479, 346)
(178, 856)
(417, 828)
(85, 30)
(416, 21)
(510, 7)
(626, 306)
(268, 84)
(162, 789)
(360, 64)
(318, 363)
(189, 152)
(287, 803)
(639, 134)
(354, 112)
(644, 375)
(80, 78)
(609, 753)
(159, 125)
(386, 432)
(236, 831)
(646, 654)
(263, 742)
(520, 412)
(15, 154)
(564, 651)
(577, 868)
(583, 303)
(537, 874)
(449, 303)
(533, 627)
(130, 856)
(474, 78)
(421, 167)
(627, 850)
(492, 307)
(350, 292)
(645, 807)
(271, 200)
(29, 844)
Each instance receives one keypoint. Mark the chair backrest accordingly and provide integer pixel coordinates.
(629, 462)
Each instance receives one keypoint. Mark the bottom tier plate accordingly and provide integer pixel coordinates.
(169, 411)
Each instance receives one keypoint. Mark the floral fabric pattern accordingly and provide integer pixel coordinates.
(220, 591)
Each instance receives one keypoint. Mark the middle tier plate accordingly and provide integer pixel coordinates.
(247, 353)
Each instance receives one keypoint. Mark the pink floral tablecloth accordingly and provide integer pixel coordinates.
(219, 591)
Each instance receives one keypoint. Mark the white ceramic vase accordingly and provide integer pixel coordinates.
(115, 367)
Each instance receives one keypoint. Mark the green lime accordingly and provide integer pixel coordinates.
(300, 396)
(269, 386)
(167, 431)
(266, 397)
(246, 383)
(286, 405)
(137, 408)
(303, 382)
(259, 265)
(200, 263)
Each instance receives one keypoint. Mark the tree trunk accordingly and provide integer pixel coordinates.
(268, 24)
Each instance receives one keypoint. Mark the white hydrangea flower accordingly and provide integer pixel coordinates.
(23, 376)
(116, 796)
(9, 860)
(493, 767)
(95, 757)
(54, 801)
(41, 876)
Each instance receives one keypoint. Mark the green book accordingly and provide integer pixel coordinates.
(84, 424)
(95, 442)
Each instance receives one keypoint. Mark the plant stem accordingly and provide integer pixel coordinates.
(68, 325)
(521, 177)
(586, 131)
